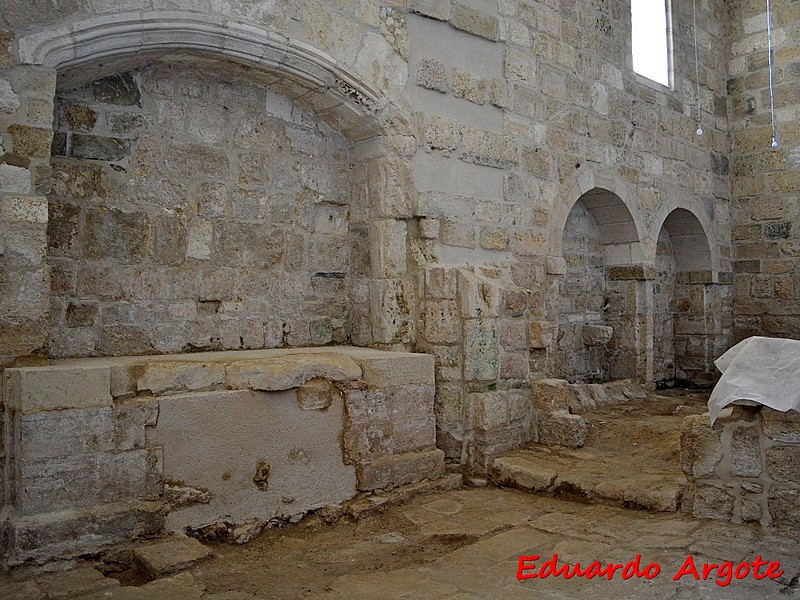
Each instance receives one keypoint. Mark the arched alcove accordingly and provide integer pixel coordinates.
(195, 156)
(597, 303)
(686, 303)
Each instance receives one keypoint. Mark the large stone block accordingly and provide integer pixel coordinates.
(289, 371)
(784, 507)
(783, 463)
(163, 378)
(478, 296)
(711, 502)
(474, 22)
(79, 532)
(746, 452)
(489, 410)
(412, 417)
(551, 394)
(440, 322)
(701, 448)
(397, 369)
(388, 248)
(70, 432)
(559, 428)
(481, 350)
(392, 471)
(781, 426)
(33, 389)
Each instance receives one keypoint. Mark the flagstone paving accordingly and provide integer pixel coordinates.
(461, 544)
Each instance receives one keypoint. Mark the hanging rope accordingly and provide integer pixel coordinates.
(697, 67)
(771, 86)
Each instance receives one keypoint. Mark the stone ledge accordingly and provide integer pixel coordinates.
(72, 533)
(400, 469)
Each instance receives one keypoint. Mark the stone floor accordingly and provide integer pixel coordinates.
(457, 545)
(631, 455)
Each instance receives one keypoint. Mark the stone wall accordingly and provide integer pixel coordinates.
(103, 450)
(764, 208)
(584, 298)
(663, 308)
(745, 468)
(193, 212)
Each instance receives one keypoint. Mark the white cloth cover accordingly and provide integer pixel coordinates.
(765, 370)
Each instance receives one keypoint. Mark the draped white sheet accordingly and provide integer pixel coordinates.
(765, 370)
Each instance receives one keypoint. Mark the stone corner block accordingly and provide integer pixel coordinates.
(550, 395)
(394, 371)
(400, 469)
(560, 428)
(35, 389)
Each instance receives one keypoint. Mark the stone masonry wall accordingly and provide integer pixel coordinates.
(583, 294)
(764, 209)
(663, 307)
(745, 468)
(190, 212)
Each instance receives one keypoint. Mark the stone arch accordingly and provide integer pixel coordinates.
(683, 214)
(688, 303)
(597, 303)
(382, 197)
(101, 45)
(614, 207)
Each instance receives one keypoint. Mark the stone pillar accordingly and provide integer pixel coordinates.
(26, 115)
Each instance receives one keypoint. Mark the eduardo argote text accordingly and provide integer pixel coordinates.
(722, 573)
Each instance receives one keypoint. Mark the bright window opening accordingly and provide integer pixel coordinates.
(650, 39)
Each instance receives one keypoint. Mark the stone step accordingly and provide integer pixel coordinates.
(584, 477)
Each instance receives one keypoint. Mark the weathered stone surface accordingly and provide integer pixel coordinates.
(400, 469)
(474, 22)
(779, 426)
(34, 389)
(9, 100)
(170, 556)
(522, 474)
(784, 507)
(701, 449)
(559, 428)
(78, 583)
(551, 394)
(396, 370)
(597, 335)
(15, 180)
(783, 463)
(712, 503)
(432, 74)
(165, 378)
(291, 371)
(316, 394)
(481, 352)
(542, 334)
(746, 452)
(77, 532)
(751, 512)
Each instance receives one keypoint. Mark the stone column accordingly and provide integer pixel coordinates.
(26, 116)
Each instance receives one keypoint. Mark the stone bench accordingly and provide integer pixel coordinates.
(105, 449)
